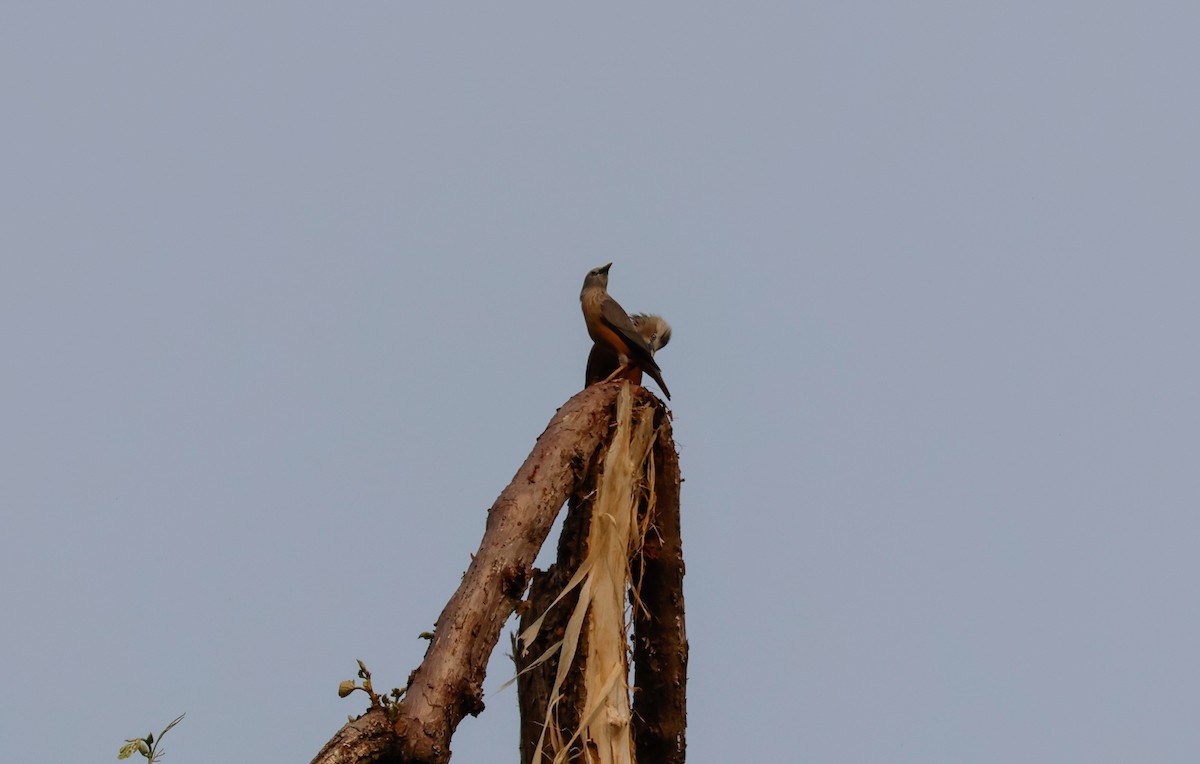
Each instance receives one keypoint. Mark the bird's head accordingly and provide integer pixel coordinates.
(597, 277)
(654, 329)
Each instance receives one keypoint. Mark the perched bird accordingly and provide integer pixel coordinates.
(612, 329)
(602, 361)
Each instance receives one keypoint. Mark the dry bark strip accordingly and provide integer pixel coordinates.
(448, 684)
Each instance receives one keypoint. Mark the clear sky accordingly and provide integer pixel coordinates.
(288, 290)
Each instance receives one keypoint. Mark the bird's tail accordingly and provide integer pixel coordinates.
(656, 374)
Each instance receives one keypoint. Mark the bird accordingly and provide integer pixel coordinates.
(602, 361)
(612, 330)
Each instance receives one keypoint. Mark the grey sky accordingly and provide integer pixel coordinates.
(288, 290)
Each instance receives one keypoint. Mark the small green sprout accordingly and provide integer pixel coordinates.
(147, 746)
(389, 703)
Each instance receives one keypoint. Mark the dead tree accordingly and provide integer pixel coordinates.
(565, 464)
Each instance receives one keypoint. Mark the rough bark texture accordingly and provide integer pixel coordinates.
(660, 648)
(448, 684)
(370, 737)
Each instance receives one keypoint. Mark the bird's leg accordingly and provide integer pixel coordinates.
(621, 369)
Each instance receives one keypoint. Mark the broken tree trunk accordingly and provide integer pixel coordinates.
(650, 558)
(448, 684)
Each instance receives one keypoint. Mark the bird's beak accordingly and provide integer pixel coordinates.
(605, 268)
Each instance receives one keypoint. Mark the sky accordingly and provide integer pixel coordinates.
(288, 291)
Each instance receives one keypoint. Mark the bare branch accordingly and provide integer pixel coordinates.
(448, 684)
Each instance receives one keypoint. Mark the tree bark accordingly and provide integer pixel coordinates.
(660, 647)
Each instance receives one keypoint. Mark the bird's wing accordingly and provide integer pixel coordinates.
(615, 317)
